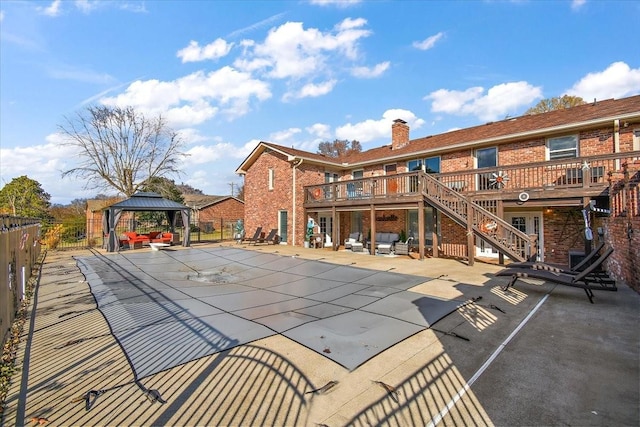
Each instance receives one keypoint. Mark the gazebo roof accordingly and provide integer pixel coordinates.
(147, 201)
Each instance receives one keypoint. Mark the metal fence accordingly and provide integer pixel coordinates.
(77, 234)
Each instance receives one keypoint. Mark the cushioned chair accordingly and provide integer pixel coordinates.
(353, 238)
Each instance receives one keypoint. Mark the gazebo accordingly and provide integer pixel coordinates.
(145, 202)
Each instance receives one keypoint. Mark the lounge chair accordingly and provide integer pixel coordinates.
(271, 238)
(255, 237)
(584, 279)
(353, 238)
(543, 266)
(595, 276)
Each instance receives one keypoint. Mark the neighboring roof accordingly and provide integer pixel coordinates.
(201, 201)
(95, 205)
(535, 125)
(142, 201)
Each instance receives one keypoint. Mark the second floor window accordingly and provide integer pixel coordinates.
(429, 165)
(563, 147)
(272, 175)
(486, 157)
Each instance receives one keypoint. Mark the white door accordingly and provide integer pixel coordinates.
(528, 223)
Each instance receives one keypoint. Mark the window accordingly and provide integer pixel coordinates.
(432, 165)
(414, 165)
(636, 140)
(272, 176)
(330, 177)
(429, 165)
(563, 147)
(486, 158)
(358, 174)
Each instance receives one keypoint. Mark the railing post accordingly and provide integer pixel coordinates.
(470, 236)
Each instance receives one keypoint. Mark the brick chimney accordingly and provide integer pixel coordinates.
(399, 134)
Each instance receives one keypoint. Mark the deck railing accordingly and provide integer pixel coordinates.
(582, 172)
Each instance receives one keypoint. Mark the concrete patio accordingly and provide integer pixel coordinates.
(538, 355)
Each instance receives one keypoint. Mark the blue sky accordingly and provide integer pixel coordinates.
(227, 74)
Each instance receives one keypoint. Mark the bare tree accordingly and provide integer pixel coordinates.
(557, 103)
(339, 148)
(120, 148)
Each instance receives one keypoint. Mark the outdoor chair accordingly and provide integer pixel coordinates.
(353, 238)
(584, 279)
(402, 248)
(270, 239)
(544, 266)
(255, 237)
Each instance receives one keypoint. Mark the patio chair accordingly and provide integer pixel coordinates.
(402, 248)
(269, 239)
(584, 280)
(544, 266)
(255, 237)
(353, 238)
(597, 275)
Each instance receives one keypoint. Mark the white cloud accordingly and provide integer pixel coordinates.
(196, 97)
(52, 10)
(311, 90)
(429, 42)
(51, 158)
(370, 129)
(284, 136)
(195, 53)
(86, 6)
(338, 3)
(319, 130)
(577, 4)
(368, 73)
(290, 51)
(199, 154)
(617, 81)
(499, 101)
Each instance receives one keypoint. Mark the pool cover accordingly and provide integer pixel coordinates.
(167, 308)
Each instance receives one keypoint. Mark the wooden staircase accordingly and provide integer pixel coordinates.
(478, 221)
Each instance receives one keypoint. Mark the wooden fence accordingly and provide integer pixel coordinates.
(19, 253)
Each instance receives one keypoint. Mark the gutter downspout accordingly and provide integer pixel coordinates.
(293, 203)
(616, 140)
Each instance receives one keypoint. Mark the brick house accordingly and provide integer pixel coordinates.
(213, 211)
(515, 187)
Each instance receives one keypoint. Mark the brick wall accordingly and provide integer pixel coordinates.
(265, 204)
(622, 228)
(228, 209)
(454, 238)
(563, 232)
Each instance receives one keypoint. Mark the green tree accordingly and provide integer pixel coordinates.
(339, 148)
(24, 197)
(165, 187)
(120, 148)
(557, 103)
